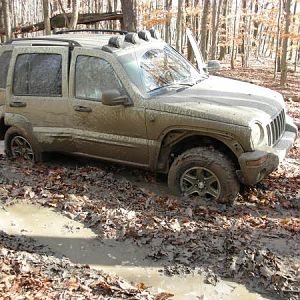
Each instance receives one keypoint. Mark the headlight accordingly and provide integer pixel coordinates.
(257, 134)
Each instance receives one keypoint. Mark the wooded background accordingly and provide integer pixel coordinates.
(236, 30)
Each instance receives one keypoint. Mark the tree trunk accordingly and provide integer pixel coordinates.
(285, 43)
(249, 29)
(255, 23)
(214, 30)
(188, 21)
(244, 34)
(233, 38)
(1, 21)
(168, 6)
(46, 17)
(75, 13)
(178, 25)
(223, 34)
(277, 56)
(204, 30)
(129, 15)
(293, 42)
(7, 19)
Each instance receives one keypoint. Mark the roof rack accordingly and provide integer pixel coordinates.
(71, 43)
(91, 30)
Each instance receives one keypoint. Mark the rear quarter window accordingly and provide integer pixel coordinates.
(4, 65)
(38, 74)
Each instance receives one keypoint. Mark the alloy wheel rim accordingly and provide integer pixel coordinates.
(21, 148)
(201, 182)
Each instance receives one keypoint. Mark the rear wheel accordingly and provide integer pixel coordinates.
(204, 173)
(18, 145)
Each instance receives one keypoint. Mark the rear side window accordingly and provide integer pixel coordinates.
(38, 75)
(4, 64)
(93, 76)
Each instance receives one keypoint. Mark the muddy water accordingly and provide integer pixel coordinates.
(82, 246)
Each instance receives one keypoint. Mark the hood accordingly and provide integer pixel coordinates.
(223, 100)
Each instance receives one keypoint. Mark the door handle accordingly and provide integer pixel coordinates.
(82, 108)
(17, 104)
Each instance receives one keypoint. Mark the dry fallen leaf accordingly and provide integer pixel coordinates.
(163, 296)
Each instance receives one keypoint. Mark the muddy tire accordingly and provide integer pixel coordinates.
(18, 145)
(205, 173)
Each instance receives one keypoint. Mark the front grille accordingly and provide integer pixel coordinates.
(276, 128)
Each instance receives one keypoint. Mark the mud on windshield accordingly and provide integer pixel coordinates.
(164, 68)
(159, 69)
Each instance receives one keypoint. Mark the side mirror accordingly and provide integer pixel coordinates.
(213, 66)
(113, 97)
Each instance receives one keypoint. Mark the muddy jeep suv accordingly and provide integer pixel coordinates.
(131, 98)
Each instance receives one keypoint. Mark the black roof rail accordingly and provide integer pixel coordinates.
(71, 43)
(92, 30)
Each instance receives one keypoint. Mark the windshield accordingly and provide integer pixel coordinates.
(159, 68)
(164, 67)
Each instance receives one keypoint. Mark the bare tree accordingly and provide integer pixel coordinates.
(277, 56)
(204, 30)
(213, 30)
(234, 36)
(168, 6)
(46, 17)
(223, 33)
(179, 24)
(75, 13)
(297, 48)
(129, 15)
(1, 21)
(7, 19)
(244, 33)
(216, 11)
(285, 42)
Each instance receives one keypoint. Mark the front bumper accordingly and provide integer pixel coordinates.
(256, 165)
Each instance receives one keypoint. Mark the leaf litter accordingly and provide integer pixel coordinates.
(30, 271)
(219, 242)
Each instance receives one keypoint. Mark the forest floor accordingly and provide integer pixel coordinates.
(254, 242)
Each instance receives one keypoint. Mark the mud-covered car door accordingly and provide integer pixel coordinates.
(37, 95)
(5, 56)
(117, 132)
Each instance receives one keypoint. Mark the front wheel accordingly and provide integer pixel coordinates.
(204, 173)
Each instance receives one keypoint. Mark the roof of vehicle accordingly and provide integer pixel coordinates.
(86, 40)
(107, 41)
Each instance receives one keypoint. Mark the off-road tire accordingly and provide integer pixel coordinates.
(13, 133)
(209, 159)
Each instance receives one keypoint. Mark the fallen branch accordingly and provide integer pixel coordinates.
(59, 21)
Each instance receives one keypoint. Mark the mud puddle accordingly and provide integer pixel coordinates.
(82, 246)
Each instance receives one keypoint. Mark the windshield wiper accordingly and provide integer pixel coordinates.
(184, 83)
(173, 85)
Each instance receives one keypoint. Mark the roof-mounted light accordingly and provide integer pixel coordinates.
(116, 41)
(154, 33)
(144, 35)
(131, 37)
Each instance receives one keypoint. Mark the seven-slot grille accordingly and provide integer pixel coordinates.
(276, 128)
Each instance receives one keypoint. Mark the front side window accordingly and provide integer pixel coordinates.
(38, 74)
(4, 64)
(94, 76)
